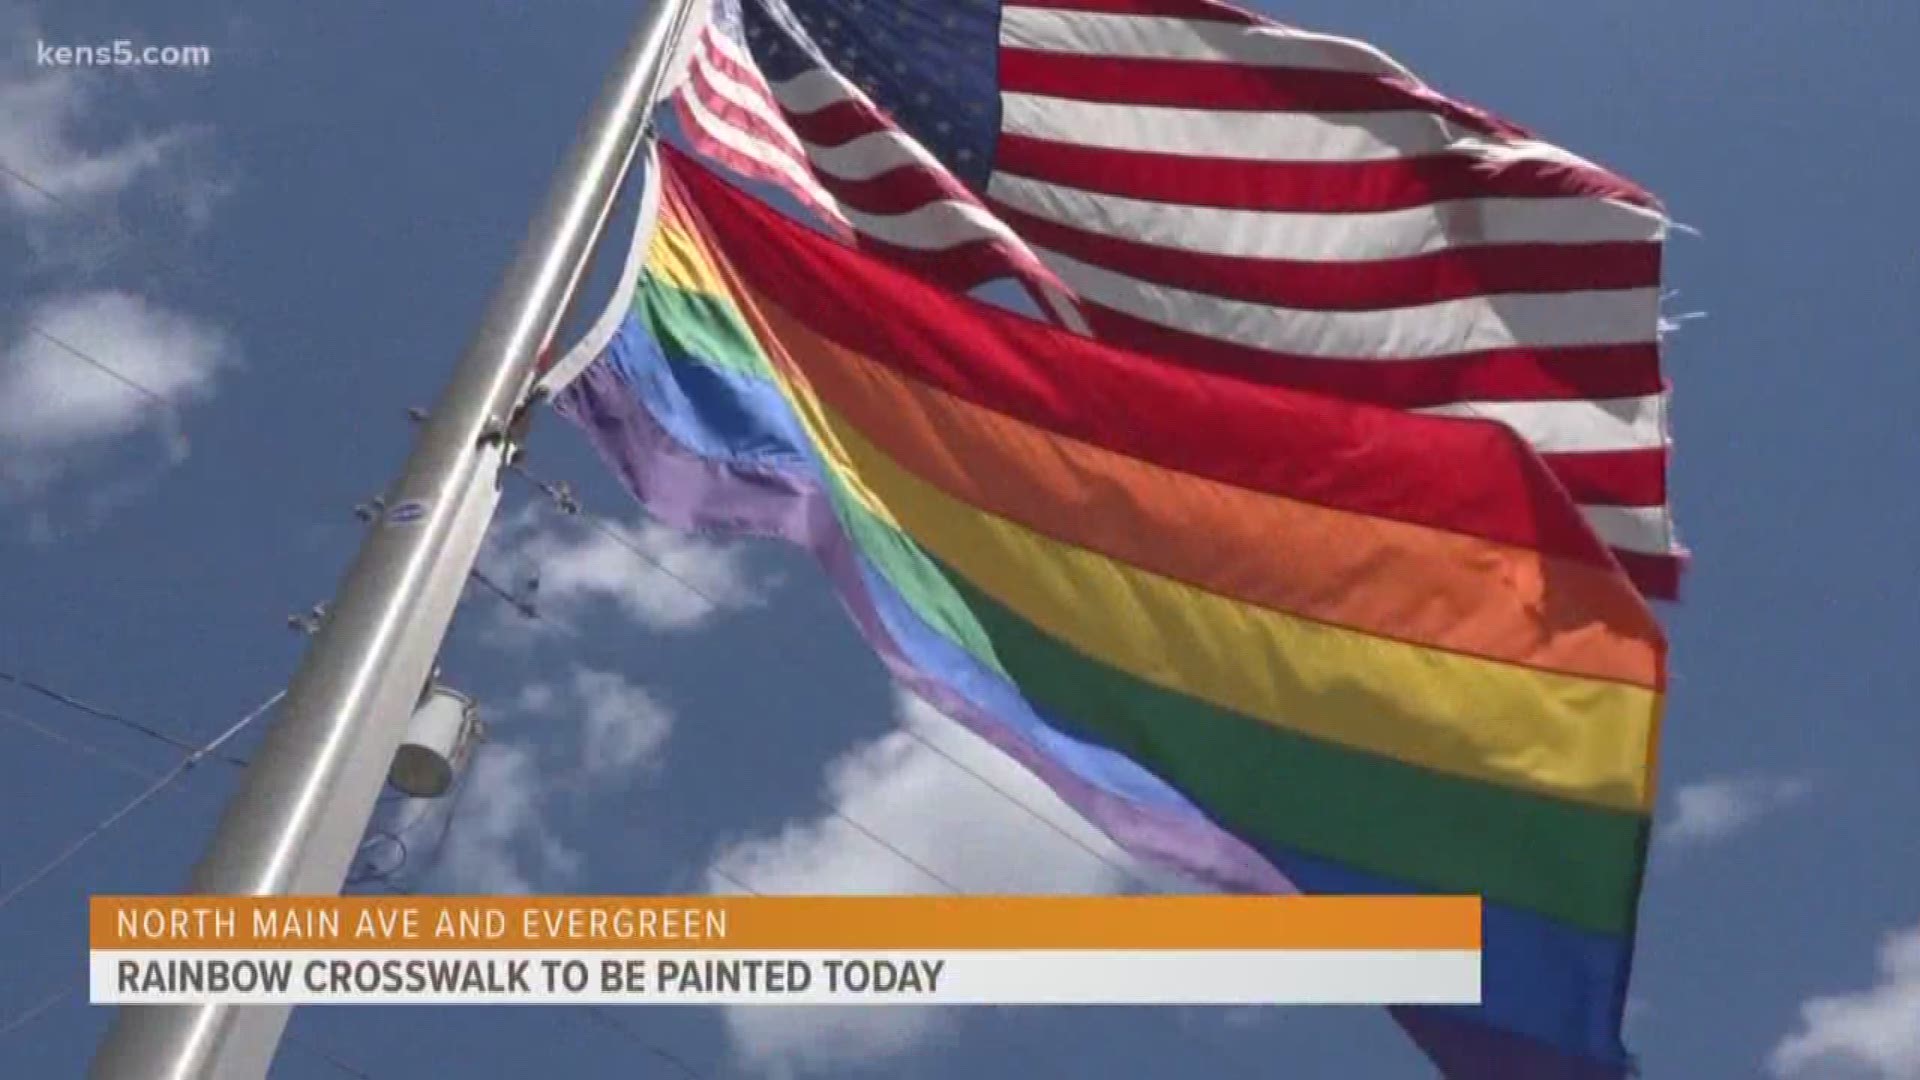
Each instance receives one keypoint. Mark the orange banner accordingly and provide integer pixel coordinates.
(785, 923)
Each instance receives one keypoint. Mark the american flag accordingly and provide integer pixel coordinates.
(807, 126)
(1215, 188)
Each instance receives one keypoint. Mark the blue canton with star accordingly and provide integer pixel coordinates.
(932, 65)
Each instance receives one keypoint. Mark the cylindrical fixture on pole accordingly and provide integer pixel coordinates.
(440, 736)
(295, 823)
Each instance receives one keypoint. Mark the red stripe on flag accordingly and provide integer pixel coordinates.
(1603, 372)
(1202, 10)
(1614, 477)
(1304, 186)
(1452, 274)
(1657, 576)
(836, 124)
(961, 267)
(896, 191)
(1199, 84)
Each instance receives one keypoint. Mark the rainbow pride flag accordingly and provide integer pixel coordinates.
(1273, 640)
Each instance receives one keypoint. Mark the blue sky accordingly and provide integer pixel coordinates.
(291, 245)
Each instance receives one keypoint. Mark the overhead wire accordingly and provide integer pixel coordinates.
(27, 1016)
(104, 368)
(160, 784)
(161, 781)
(321, 1053)
(308, 1046)
(55, 735)
(435, 851)
(168, 409)
(148, 730)
(599, 1015)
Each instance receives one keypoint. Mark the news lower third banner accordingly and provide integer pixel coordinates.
(973, 950)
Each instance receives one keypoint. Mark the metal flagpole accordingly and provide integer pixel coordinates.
(304, 803)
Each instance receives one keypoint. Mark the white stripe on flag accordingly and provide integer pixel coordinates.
(1447, 328)
(1575, 427)
(934, 226)
(1237, 136)
(1148, 37)
(1306, 237)
(757, 149)
(1644, 529)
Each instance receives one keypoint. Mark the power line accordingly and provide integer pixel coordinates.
(598, 1014)
(172, 428)
(901, 855)
(103, 367)
(86, 748)
(136, 802)
(57, 199)
(397, 837)
(75, 703)
(1025, 807)
(321, 1053)
(22, 1019)
(561, 496)
(160, 783)
(35, 185)
(67, 204)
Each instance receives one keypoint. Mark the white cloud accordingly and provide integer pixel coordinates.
(61, 410)
(1716, 808)
(1871, 1034)
(622, 727)
(68, 168)
(504, 839)
(40, 116)
(939, 817)
(65, 172)
(662, 579)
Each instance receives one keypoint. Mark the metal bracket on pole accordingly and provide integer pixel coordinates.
(304, 803)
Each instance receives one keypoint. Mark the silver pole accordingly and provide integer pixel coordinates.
(303, 805)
